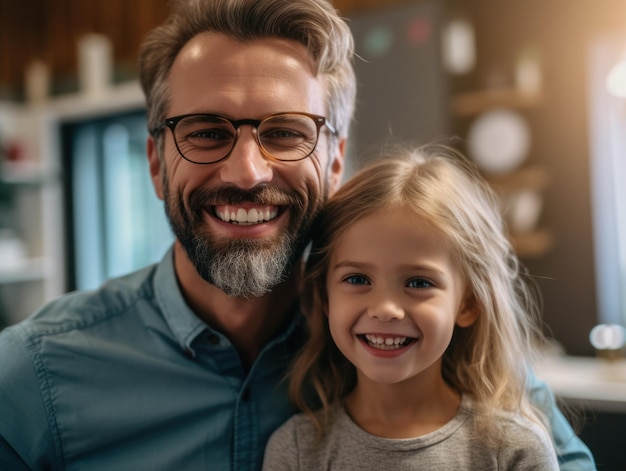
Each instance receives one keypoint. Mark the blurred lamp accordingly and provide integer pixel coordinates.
(458, 46)
(609, 340)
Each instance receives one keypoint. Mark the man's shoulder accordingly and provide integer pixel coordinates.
(82, 309)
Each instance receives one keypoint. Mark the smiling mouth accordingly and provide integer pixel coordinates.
(246, 216)
(387, 342)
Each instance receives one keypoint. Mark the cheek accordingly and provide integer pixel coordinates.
(342, 313)
(333, 296)
(438, 326)
(304, 179)
(340, 330)
(316, 176)
(184, 177)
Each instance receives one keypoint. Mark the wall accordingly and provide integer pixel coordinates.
(402, 88)
(49, 30)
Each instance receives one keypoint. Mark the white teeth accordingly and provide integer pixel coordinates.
(242, 215)
(385, 343)
(251, 216)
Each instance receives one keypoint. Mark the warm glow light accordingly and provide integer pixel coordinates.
(616, 80)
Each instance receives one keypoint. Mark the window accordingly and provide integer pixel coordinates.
(608, 174)
(116, 222)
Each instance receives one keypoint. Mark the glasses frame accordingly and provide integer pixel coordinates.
(319, 121)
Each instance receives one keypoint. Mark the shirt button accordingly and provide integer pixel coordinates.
(213, 339)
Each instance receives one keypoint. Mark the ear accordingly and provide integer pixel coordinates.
(468, 314)
(155, 166)
(337, 167)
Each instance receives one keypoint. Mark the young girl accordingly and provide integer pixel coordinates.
(421, 327)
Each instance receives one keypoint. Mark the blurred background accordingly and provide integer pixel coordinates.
(534, 91)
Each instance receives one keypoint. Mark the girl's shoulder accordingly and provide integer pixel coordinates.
(301, 428)
(295, 444)
(529, 442)
(521, 429)
(300, 423)
(522, 442)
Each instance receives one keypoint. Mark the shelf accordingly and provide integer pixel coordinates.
(23, 175)
(114, 99)
(532, 244)
(531, 178)
(474, 103)
(33, 269)
(591, 382)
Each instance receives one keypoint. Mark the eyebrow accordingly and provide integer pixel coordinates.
(362, 265)
(348, 263)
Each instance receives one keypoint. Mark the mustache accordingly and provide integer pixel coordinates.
(270, 195)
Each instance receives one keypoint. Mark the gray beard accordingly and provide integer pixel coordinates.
(243, 269)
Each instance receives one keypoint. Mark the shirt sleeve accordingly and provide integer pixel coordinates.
(25, 439)
(573, 454)
(9, 459)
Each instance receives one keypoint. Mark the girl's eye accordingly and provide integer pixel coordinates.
(419, 283)
(356, 280)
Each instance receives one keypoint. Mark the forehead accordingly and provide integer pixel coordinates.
(394, 239)
(392, 230)
(216, 73)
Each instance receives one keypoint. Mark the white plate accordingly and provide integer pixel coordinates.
(498, 141)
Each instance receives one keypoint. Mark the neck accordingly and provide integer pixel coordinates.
(408, 409)
(248, 323)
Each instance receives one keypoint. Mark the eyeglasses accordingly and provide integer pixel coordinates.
(209, 138)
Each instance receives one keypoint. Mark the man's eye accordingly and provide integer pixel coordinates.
(284, 138)
(419, 283)
(282, 133)
(356, 280)
(209, 134)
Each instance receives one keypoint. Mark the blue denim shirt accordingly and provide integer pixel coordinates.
(128, 378)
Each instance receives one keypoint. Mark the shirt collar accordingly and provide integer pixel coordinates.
(183, 323)
(187, 326)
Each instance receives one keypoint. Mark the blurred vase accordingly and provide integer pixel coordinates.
(95, 64)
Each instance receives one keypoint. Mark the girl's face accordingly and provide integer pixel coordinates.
(394, 296)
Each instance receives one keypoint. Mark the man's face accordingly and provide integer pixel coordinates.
(243, 221)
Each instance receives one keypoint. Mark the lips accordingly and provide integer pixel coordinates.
(246, 216)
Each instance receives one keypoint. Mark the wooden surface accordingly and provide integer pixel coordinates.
(48, 30)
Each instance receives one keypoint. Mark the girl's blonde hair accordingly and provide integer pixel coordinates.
(488, 360)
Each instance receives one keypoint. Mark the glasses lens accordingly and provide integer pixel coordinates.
(288, 136)
(204, 138)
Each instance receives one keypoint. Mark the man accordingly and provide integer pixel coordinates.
(180, 365)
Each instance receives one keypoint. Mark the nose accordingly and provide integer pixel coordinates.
(384, 308)
(246, 166)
